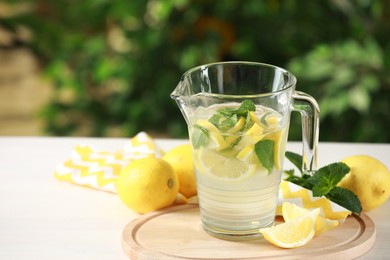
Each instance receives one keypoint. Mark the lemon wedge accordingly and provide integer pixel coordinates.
(294, 233)
(291, 211)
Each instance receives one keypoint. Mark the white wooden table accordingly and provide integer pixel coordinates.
(43, 218)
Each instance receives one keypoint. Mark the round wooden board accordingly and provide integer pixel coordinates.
(177, 233)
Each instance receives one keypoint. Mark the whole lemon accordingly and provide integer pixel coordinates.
(147, 184)
(180, 157)
(369, 179)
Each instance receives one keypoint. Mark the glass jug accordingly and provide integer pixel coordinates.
(238, 116)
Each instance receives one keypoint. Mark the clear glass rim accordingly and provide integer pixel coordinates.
(291, 78)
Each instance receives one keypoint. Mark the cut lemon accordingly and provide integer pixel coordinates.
(325, 224)
(251, 137)
(254, 118)
(291, 211)
(294, 233)
(272, 121)
(255, 130)
(217, 141)
(247, 154)
(238, 126)
(279, 146)
(231, 140)
(227, 168)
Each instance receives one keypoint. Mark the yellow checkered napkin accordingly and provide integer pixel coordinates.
(91, 167)
(304, 198)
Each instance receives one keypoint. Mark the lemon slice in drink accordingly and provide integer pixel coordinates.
(272, 121)
(291, 211)
(247, 154)
(238, 126)
(255, 133)
(254, 118)
(294, 233)
(255, 130)
(217, 141)
(223, 167)
(251, 137)
(279, 146)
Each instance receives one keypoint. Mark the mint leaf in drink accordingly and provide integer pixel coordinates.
(346, 199)
(248, 122)
(199, 136)
(326, 178)
(227, 111)
(264, 150)
(245, 107)
(223, 122)
(227, 117)
(215, 119)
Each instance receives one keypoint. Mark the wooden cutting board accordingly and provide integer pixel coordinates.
(177, 233)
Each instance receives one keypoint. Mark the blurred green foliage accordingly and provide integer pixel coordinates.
(113, 63)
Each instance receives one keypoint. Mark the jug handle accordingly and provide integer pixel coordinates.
(307, 106)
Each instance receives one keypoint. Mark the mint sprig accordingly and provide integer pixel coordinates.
(323, 182)
(226, 118)
(326, 178)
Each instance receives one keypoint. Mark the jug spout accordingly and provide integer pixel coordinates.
(180, 94)
(178, 91)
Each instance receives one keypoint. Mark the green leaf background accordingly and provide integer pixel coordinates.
(112, 64)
